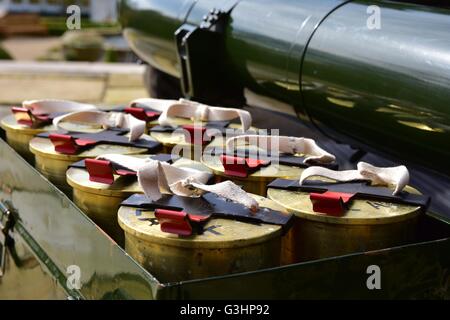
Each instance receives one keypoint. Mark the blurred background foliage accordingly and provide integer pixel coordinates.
(4, 55)
(37, 31)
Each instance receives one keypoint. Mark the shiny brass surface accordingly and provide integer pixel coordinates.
(367, 225)
(53, 165)
(100, 208)
(18, 136)
(227, 246)
(102, 201)
(151, 124)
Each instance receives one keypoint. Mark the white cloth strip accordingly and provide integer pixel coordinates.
(155, 104)
(202, 112)
(107, 120)
(45, 106)
(156, 178)
(391, 176)
(176, 180)
(229, 190)
(131, 163)
(290, 145)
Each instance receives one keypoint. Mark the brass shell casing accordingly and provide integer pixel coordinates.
(176, 141)
(255, 182)
(101, 201)
(18, 136)
(226, 246)
(53, 165)
(367, 225)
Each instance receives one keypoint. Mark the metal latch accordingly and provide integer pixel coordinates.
(180, 222)
(6, 224)
(202, 58)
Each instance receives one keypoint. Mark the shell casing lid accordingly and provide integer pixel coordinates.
(218, 233)
(45, 148)
(360, 211)
(9, 123)
(171, 139)
(122, 185)
(266, 173)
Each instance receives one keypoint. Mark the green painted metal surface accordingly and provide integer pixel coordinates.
(164, 17)
(389, 87)
(419, 271)
(385, 88)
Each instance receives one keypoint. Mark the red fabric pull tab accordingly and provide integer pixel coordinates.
(152, 115)
(198, 218)
(99, 171)
(122, 172)
(196, 134)
(176, 222)
(240, 167)
(142, 114)
(84, 142)
(331, 203)
(256, 163)
(23, 116)
(64, 143)
(234, 166)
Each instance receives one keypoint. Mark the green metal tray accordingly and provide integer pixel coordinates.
(54, 243)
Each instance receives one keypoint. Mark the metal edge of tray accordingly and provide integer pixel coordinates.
(61, 237)
(419, 270)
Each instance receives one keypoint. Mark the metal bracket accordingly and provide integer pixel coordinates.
(6, 224)
(180, 222)
(102, 171)
(203, 62)
(215, 20)
(66, 144)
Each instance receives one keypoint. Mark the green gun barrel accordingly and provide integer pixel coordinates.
(375, 74)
